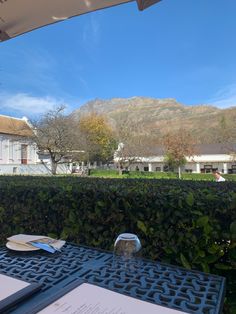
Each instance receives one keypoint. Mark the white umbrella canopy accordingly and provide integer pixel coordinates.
(21, 16)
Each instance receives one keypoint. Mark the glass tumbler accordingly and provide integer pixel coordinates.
(127, 245)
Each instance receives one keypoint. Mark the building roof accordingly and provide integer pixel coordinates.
(203, 149)
(217, 148)
(15, 126)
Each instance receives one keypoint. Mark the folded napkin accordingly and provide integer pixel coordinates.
(26, 239)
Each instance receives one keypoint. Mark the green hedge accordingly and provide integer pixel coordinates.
(190, 223)
(187, 222)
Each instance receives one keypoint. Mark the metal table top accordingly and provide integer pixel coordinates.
(166, 285)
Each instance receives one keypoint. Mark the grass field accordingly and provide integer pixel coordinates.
(157, 175)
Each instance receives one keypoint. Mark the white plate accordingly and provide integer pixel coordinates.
(20, 247)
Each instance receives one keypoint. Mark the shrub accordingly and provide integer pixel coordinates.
(190, 223)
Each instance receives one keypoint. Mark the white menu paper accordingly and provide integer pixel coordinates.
(9, 286)
(91, 299)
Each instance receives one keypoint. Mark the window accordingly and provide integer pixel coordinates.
(145, 168)
(24, 153)
(166, 168)
(233, 170)
(208, 168)
(158, 168)
(188, 170)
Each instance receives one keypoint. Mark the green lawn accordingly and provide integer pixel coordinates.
(157, 175)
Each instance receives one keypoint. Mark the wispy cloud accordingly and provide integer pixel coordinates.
(22, 103)
(92, 33)
(225, 97)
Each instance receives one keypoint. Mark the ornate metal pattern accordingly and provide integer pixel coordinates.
(46, 268)
(175, 287)
(178, 288)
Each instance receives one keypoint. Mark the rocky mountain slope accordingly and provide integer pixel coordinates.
(154, 117)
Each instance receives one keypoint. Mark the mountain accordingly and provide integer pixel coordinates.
(154, 117)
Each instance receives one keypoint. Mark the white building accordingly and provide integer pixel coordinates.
(209, 157)
(18, 151)
(16, 145)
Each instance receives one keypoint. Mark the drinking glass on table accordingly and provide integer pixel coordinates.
(127, 245)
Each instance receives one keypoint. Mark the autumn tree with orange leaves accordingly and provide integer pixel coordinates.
(97, 136)
(178, 145)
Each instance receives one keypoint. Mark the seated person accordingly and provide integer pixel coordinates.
(218, 176)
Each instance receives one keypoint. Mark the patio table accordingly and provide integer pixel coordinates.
(162, 284)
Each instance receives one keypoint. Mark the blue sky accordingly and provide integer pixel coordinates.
(183, 49)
